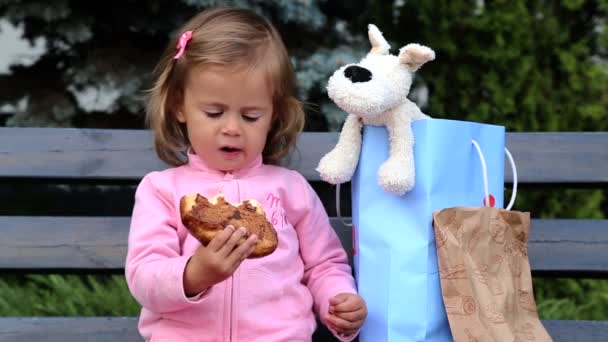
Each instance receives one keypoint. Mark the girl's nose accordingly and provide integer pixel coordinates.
(232, 126)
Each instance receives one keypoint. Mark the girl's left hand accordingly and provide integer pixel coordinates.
(347, 312)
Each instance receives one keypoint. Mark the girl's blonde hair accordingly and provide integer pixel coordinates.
(231, 37)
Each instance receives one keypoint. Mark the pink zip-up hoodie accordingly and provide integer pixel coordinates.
(267, 299)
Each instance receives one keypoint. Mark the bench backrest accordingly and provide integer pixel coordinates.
(67, 243)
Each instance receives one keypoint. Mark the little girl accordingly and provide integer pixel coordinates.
(224, 112)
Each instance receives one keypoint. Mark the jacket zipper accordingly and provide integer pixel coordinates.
(231, 308)
(229, 176)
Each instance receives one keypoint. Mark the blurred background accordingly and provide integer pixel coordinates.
(535, 65)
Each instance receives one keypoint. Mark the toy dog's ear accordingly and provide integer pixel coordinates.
(379, 45)
(413, 56)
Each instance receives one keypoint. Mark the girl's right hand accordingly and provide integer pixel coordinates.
(217, 261)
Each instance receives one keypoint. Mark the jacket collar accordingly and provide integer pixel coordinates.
(198, 164)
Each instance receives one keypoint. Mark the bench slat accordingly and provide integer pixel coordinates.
(128, 154)
(100, 243)
(66, 329)
(582, 157)
(117, 329)
(569, 331)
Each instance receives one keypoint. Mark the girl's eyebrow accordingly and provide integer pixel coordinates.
(212, 104)
(223, 105)
(260, 108)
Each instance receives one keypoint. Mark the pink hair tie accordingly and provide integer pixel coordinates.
(182, 42)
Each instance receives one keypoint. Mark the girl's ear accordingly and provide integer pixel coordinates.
(179, 115)
(178, 103)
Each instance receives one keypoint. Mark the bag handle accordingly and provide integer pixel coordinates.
(485, 182)
(484, 170)
(338, 207)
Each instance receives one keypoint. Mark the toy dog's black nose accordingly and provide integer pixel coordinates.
(357, 74)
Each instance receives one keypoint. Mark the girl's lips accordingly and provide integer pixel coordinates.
(230, 153)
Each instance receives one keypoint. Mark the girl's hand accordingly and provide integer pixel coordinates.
(217, 261)
(347, 312)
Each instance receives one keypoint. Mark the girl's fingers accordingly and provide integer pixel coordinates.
(340, 298)
(347, 305)
(342, 325)
(232, 242)
(352, 303)
(352, 316)
(243, 251)
(220, 239)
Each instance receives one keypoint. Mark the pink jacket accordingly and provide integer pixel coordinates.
(267, 299)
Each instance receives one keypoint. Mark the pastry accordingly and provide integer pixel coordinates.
(205, 218)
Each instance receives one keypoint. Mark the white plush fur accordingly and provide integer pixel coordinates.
(380, 101)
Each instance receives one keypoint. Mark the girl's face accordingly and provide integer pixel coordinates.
(228, 113)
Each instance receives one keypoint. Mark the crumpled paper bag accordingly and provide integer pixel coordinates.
(485, 274)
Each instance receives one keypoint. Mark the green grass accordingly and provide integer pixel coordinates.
(107, 295)
(66, 295)
(580, 299)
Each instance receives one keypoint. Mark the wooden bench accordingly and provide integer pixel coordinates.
(63, 243)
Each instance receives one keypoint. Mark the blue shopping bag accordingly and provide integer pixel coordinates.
(395, 259)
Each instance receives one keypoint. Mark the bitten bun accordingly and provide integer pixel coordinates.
(205, 218)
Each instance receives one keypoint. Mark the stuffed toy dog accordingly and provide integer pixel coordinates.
(374, 92)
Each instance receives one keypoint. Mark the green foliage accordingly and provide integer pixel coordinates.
(579, 299)
(528, 65)
(561, 203)
(61, 295)
(70, 295)
(98, 60)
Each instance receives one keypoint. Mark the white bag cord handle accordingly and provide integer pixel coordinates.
(484, 170)
(338, 207)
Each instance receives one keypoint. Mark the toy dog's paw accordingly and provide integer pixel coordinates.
(393, 178)
(333, 169)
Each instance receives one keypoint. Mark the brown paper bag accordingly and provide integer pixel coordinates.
(485, 274)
